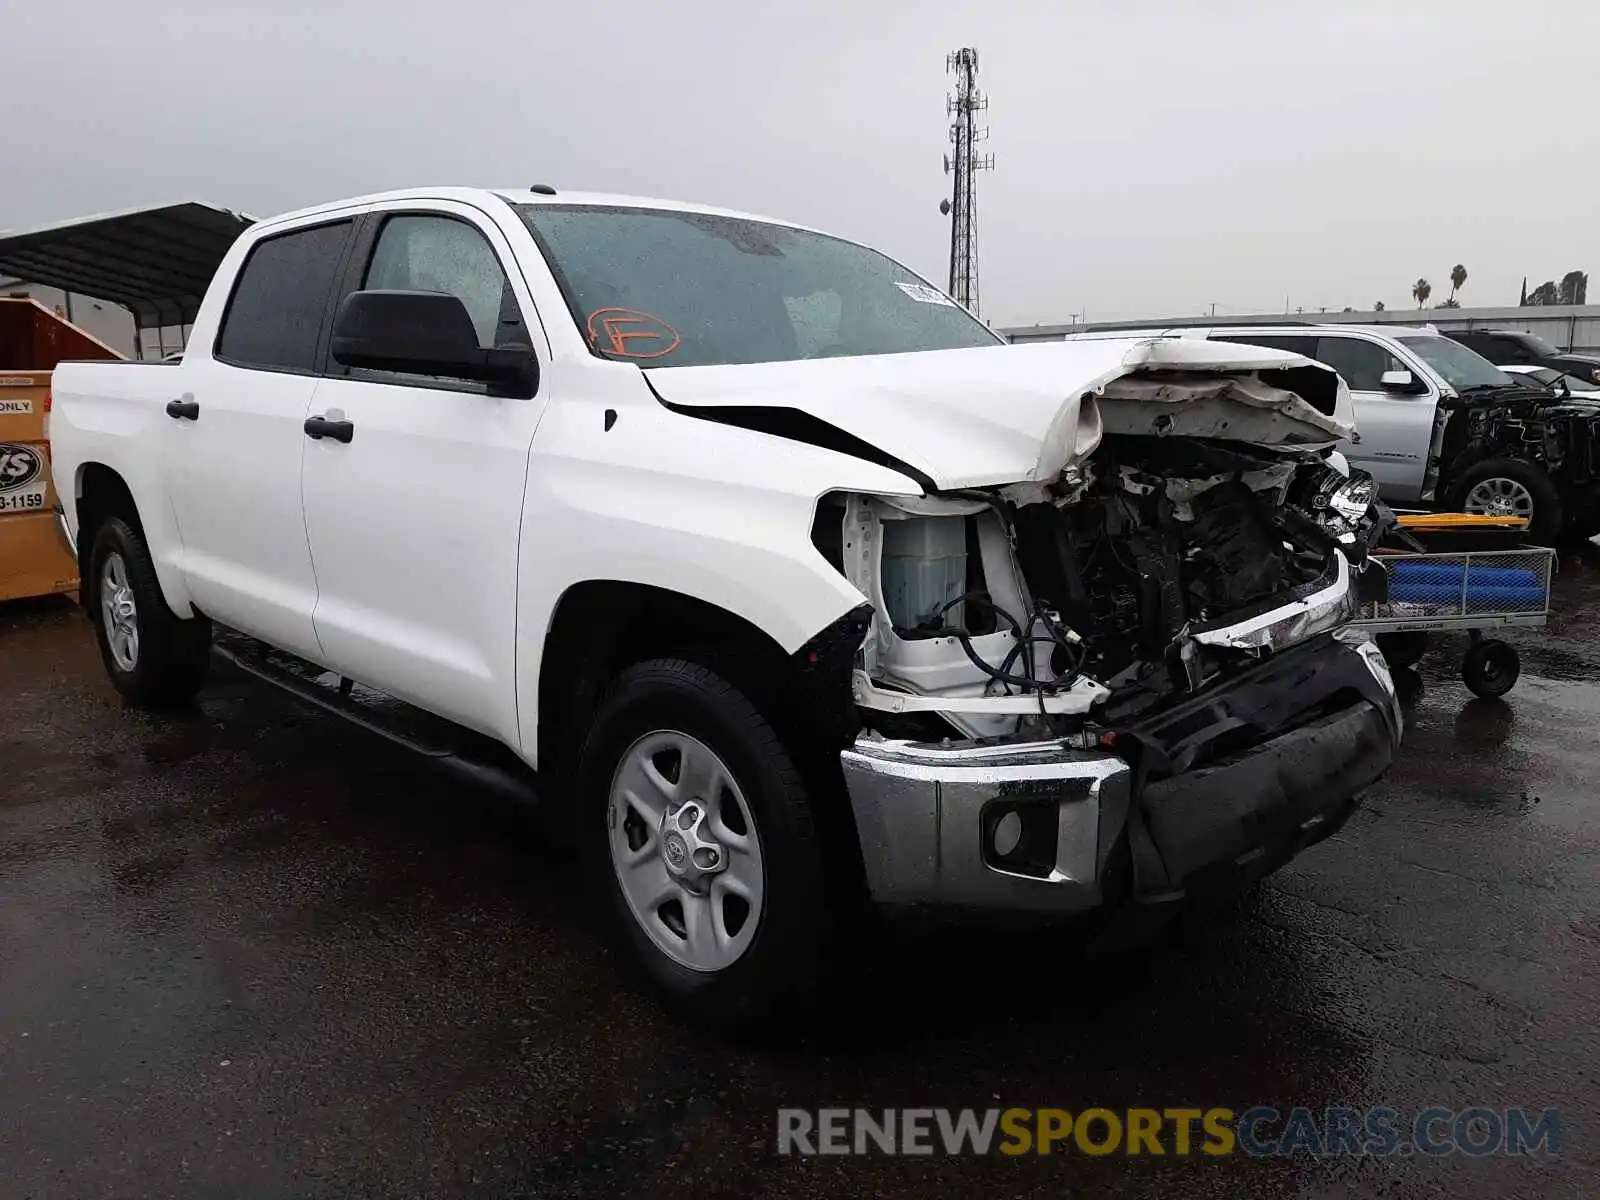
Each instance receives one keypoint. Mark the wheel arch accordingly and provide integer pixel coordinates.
(101, 491)
(601, 627)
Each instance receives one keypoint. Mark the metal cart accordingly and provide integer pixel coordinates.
(1471, 591)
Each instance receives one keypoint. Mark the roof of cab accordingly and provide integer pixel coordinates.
(480, 196)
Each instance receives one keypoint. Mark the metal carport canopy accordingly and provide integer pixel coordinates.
(155, 262)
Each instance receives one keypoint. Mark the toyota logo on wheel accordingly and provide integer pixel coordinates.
(19, 466)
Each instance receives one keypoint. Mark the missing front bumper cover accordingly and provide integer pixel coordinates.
(928, 815)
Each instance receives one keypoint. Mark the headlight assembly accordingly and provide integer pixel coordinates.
(1353, 497)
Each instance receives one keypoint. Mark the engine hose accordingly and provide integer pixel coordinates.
(1023, 648)
(964, 638)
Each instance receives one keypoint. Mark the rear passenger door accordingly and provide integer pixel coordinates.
(1395, 428)
(234, 463)
(414, 523)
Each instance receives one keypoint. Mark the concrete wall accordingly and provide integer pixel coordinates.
(1570, 327)
(110, 323)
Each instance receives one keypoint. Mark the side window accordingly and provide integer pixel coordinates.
(1361, 363)
(430, 253)
(275, 313)
(1511, 350)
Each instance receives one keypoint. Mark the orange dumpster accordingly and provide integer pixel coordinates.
(33, 559)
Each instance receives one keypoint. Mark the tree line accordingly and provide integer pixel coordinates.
(1573, 289)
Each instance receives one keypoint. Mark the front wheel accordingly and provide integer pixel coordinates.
(154, 658)
(703, 843)
(1507, 487)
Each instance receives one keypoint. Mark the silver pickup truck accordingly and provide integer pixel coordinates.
(1439, 426)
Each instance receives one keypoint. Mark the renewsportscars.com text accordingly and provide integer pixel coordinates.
(1258, 1132)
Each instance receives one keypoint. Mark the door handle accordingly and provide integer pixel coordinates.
(321, 427)
(185, 409)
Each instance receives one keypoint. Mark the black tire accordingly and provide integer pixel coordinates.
(1544, 525)
(1404, 649)
(171, 655)
(1490, 668)
(782, 964)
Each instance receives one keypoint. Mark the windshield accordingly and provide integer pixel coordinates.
(1458, 366)
(1538, 345)
(673, 289)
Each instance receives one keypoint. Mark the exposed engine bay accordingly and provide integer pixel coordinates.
(1138, 576)
(1561, 435)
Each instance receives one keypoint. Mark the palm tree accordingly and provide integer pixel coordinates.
(1458, 276)
(1420, 291)
(1377, 306)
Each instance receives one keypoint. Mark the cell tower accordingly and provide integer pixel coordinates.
(964, 164)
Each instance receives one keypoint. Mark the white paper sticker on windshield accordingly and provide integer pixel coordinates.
(924, 294)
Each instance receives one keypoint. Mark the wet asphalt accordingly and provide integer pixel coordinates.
(253, 951)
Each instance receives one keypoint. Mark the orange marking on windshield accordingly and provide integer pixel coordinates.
(614, 330)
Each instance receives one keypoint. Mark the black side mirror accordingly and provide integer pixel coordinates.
(426, 333)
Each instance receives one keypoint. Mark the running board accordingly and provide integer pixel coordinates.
(471, 756)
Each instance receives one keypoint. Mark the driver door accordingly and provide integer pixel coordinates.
(414, 522)
(1395, 428)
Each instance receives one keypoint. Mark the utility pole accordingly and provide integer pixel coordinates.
(964, 164)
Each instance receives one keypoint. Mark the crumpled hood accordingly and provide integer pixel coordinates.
(1003, 414)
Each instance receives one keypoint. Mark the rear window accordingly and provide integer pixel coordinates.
(276, 311)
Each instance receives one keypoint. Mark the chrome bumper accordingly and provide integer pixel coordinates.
(930, 822)
(1327, 607)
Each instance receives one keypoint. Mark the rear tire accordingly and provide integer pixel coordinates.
(1508, 487)
(700, 836)
(155, 658)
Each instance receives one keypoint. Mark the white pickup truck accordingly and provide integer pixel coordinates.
(777, 578)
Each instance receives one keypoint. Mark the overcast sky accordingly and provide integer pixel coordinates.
(1153, 158)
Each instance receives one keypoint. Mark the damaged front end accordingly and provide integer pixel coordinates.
(1135, 671)
(1144, 574)
(1558, 434)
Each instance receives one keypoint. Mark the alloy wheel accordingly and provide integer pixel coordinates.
(1500, 497)
(118, 612)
